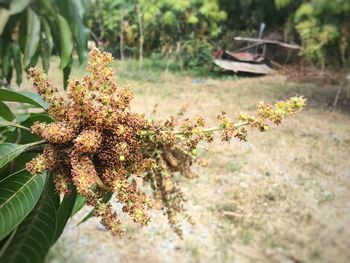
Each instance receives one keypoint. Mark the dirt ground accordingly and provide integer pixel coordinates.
(283, 196)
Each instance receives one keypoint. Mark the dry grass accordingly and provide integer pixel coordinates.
(281, 197)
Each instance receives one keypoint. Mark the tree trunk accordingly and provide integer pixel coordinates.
(122, 34)
(139, 15)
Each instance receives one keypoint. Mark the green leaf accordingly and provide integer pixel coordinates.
(19, 193)
(18, 6)
(48, 35)
(81, 32)
(105, 199)
(17, 61)
(64, 211)
(4, 17)
(66, 41)
(5, 112)
(35, 234)
(40, 117)
(46, 45)
(45, 55)
(9, 75)
(25, 97)
(5, 3)
(9, 151)
(15, 7)
(33, 37)
(22, 31)
(6, 242)
(7, 124)
(66, 72)
(6, 62)
(22, 116)
(79, 204)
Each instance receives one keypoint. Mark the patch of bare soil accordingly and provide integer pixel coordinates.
(283, 196)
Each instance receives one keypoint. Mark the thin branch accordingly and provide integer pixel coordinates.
(208, 130)
(100, 184)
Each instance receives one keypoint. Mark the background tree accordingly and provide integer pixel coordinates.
(164, 22)
(171, 26)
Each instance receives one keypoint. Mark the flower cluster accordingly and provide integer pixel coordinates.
(98, 145)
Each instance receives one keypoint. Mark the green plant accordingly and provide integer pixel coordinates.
(135, 26)
(92, 146)
(195, 53)
(323, 27)
(30, 30)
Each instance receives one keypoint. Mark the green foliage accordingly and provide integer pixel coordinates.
(195, 54)
(32, 216)
(19, 194)
(9, 151)
(323, 26)
(30, 30)
(165, 23)
(64, 212)
(24, 97)
(36, 233)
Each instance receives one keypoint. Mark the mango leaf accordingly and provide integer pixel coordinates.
(105, 199)
(79, 204)
(41, 117)
(14, 7)
(9, 75)
(4, 17)
(24, 97)
(9, 151)
(22, 31)
(22, 116)
(66, 72)
(5, 112)
(19, 164)
(66, 41)
(64, 211)
(17, 6)
(35, 234)
(48, 35)
(13, 125)
(46, 45)
(6, 242)
(5, 3)
(81, 32)
(19, 193)
(33, 37)
(6, 62)
(17, 61)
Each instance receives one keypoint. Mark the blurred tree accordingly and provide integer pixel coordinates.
(324, 28)
(135, 27)
(164, 22)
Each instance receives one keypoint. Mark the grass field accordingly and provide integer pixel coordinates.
(283, 196)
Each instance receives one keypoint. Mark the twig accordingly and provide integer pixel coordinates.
(100, 184)
(208, 130)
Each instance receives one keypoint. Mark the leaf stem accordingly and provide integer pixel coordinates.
(36, 143)
(17, 126)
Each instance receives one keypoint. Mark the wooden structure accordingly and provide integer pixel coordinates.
(253, 58)
(243, 67)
